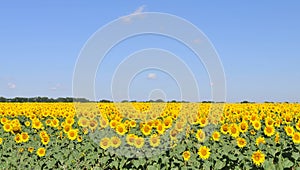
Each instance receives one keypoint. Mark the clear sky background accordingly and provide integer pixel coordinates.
(258, 43)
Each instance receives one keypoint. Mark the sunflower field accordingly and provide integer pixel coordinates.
(149, 136)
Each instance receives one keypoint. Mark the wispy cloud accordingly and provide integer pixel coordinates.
(11, 85)
(56, 87)
(151, 76)
(138, 11)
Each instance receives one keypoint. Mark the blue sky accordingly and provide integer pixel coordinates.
(257, 42)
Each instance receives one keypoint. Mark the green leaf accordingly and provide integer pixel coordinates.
(136, 163)
(180, 148)
(287, 163)
(103, 160)
(115, 163)
(219, 164)
(206, 165)
(122, 163)
(232, 157)
(295, 155)
(268, 165)
(151, 167)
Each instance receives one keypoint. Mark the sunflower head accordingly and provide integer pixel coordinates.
(186, 155)
(200, 135)
(115, 141)
(105, 143)
(296, 138)
(216, 136)
(241, 142)
(204, 152)
(41, 152)
(139, 142)
(154, 140)
(269, 131)
(258, 158)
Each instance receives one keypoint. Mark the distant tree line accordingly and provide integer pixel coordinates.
(43, 99)
(72, 99)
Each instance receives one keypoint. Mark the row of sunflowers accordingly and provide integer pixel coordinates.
(149, 136)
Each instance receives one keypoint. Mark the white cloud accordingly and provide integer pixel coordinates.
(151, 76)
(138, 11)
(56, 87)
(11, 85)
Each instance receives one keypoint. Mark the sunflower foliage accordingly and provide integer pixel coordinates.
(149, 136)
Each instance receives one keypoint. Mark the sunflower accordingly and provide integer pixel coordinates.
(139, 142)
(113, 124)
(18, 138)
(296, 138)
(104, 123)
(130, 138)
(269, 121)
(1, 141)
(45, 139)
(160, 128)
(253, 118)
(204, 152)
(41, 152)
(4, 120)
(27, 123)
(43, 134)
(256, 125)
(48, 122)
(21, 150)
(72, 134)
(24, 137)
(260, 140)
(121, 129)
(289, 130)
(79, 138)
(243, 127)
(252, 132)
(203, 121)
(179, 126)
(146, 130)
(288, 118)
(258, 158)
(36, 124)
(200, 135)
(168, 122)
(93, 125)
(132, 123)
(115, 141)
(216, 136)
(241, 142)
(7, 127)
(173, 134)
(234, 130)
(269, 131)
(67, 128)
(224, 129)
(154, 140)
(186, 155)
(105, 143)
(30, 149)
(83, 122)
(69, 120)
